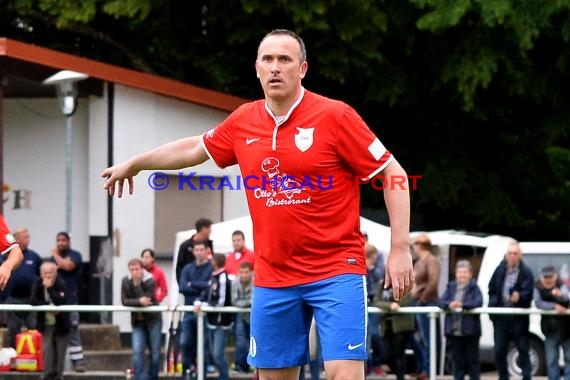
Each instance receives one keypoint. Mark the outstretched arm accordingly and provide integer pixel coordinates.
(399, 270)
(15, 257)
(173, 155)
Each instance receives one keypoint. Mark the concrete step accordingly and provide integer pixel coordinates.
(120, 360)
(94, 337)
(100, 337)
(111, 360)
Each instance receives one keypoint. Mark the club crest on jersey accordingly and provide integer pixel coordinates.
(304, 139)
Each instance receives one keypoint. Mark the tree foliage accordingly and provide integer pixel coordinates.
(471, 94)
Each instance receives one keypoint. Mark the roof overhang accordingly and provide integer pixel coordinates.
(23, 68)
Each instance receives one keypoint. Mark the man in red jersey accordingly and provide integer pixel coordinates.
(8, 246)
(241, 254)
(302, 157)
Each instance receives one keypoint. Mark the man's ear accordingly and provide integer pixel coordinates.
(303, 69)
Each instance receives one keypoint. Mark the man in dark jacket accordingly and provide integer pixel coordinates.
(218, 324)
(19, 288)
(511, 285)
(137, 289)
(186, 249)
(54, 326)
(194, 284)
(463, 331)
(551, 294)
(69, 263)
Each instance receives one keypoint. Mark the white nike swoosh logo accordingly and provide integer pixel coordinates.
(351, 347)
(249, 141)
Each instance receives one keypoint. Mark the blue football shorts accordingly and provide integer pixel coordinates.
(281, 318)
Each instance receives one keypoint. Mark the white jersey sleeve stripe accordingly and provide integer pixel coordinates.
(9, 249)
(375, 172)
(207, 151)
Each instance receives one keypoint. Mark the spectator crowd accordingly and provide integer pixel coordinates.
(206, 277)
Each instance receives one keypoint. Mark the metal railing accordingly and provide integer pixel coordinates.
(433, 313)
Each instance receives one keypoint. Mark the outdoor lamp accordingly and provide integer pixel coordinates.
(65, 83)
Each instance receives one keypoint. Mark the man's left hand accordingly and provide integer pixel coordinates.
(399, 272)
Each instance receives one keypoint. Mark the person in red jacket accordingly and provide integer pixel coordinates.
(148, 258)
(240, 255)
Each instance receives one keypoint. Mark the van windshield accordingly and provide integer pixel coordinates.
(537, 261)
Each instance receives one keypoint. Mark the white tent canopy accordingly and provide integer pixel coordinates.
(378, 235)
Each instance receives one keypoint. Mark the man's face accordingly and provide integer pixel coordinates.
(48, 272)
(147, 259)
(23, 239)
(62, 243)
(279, 67)
(201, 252)
(136, 271)
(238, 242)
(245, 274)
(513, 255)
(462, 275)
(548, 282)
(205, 232)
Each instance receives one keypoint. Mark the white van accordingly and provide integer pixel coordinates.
(485, 252)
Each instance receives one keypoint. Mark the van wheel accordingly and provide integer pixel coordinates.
(537, 361)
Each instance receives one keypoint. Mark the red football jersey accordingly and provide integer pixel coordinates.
(7, 241)
(301, 174)
(233, 263)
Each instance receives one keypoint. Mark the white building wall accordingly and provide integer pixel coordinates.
(34, 153)
(34, 164)
(144, 121)
(97, 135)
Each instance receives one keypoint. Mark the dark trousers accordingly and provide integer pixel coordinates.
(54, 347)
(18, 319)
(373, 340)
(242, 330)
(507, 329)
(394, 345)
(465, 353)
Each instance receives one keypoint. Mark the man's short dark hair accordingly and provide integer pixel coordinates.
(246, 264)
(219, 259)
(64, 234)
(135, 261)
(202, 223)
(238, 232)
(287, 32)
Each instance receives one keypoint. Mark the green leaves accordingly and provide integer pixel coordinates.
(471, 94)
